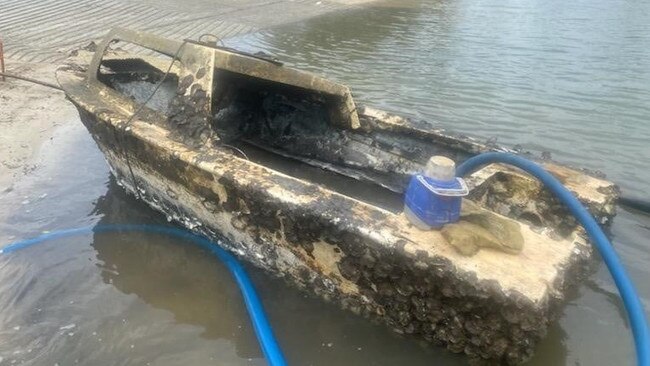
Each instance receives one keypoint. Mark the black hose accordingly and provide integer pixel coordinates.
(25, 78)
(634, 203)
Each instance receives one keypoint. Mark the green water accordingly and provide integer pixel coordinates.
(571, 78)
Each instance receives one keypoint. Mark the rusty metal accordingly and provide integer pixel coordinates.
(31, 80)
(2, 61)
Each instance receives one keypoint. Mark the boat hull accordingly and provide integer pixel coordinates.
(360, 257)
(346, 248)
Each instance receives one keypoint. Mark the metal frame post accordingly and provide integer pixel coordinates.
(2, 60)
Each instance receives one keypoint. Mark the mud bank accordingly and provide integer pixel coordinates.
(28, 116)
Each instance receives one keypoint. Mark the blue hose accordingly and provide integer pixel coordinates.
(263, 330)
(633, 306)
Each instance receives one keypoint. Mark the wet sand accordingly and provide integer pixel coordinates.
(29, 113)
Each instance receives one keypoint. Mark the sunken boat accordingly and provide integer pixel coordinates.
(284, 169)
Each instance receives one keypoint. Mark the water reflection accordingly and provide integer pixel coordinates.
(176, 277)
(170, 274)
(361, 30)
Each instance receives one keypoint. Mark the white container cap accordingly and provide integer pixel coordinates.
(440, 168)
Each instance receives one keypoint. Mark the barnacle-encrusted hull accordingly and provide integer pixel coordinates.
(368, 259)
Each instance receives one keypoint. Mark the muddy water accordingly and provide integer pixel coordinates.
(572, 79)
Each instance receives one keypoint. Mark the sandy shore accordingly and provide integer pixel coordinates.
(29, 114)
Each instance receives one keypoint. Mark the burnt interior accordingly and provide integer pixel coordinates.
(289, 129)
(270, 113)
(137, 79)
(302, 124)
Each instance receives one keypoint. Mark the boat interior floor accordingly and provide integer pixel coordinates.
(364, 191)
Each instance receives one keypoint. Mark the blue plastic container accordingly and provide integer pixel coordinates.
(434, 203)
